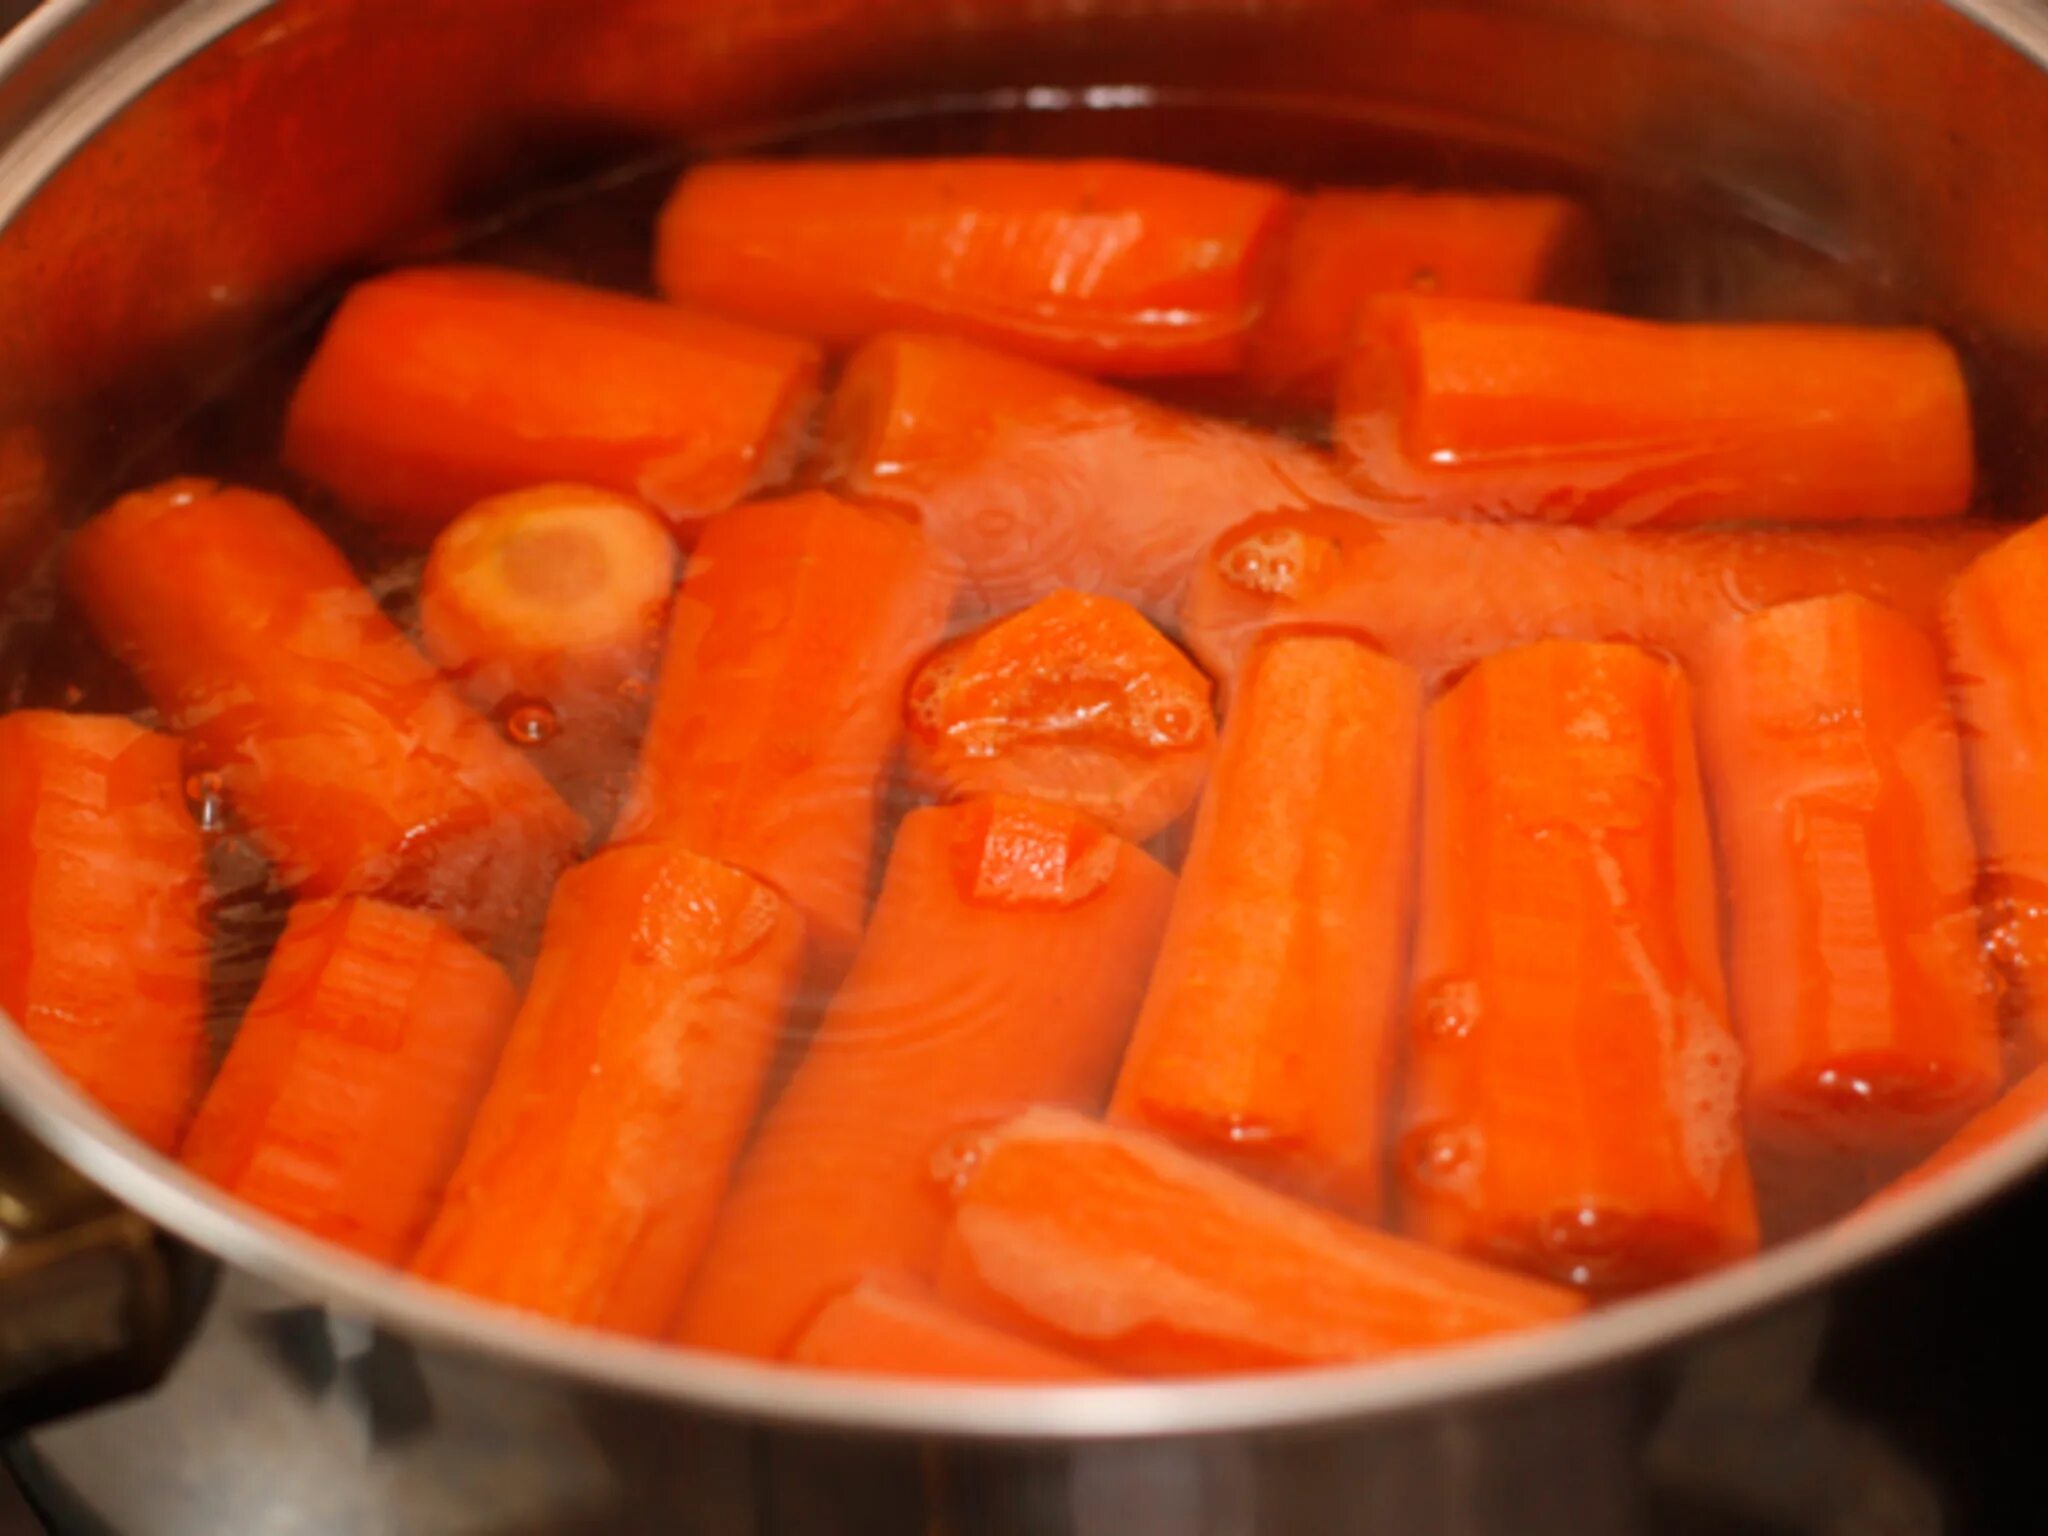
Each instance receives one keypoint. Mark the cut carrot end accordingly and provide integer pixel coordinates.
(897, 1329)
(1025, 854)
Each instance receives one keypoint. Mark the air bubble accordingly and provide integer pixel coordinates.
(532, 724)
(207, 797)
(1445, 1157)
(1276, 562)
(1449, 1010)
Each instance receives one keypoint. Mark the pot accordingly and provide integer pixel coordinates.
(177, 178)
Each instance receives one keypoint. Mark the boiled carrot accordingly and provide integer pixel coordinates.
(603, 1145)
(349, 1089)
(1005, 958)
(880, 1328)
(2020, 1107)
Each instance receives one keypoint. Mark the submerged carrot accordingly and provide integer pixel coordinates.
(603, 1145)
(1076, 700)
(1106, 266)
(345, 1099)
(2021, 1106)
(1526, 411)
(436, 387)
(1574, 1096)
(1149, 1260)
(1005, 958)
(103, 941)
(780, 699)
(895, 1329)
(1861, 990)
(355, 766)
(1268, 1035)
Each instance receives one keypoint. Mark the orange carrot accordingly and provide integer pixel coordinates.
(2021, 1106)
(895, 1329)
(1343, 247)
(356, 768)
(1149, 1260)
(1005, 958)
(345, 1099)
(103, 942)
(1107, 266)
(1267, 1035)
(1076, 700)
(603, 1146)
(436, 387)
(1525, 411)
(1574, 1091)
(28, 525)
(1861, 990)
(780, 698)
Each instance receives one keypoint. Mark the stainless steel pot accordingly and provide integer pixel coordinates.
(175, 176)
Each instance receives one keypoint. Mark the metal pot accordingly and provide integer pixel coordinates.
(176, 176)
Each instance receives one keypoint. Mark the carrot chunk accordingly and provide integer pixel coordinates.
(346, 1097)
(603, 1146)
(780, 700)
(1105, 266)
(1574, 1092)
(103, 941)
(1267, 1036)
(2020, 1106)
(1148, 1260)
(358, 770)
(1005, 958)
(1525, 411)
(1861, 990)
(895, 1329)
(437, 387)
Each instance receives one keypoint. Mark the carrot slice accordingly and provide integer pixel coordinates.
(1029, 479)
(1005, 958)
(436, 387)
(1574, 1094)
(780, 699)
(357, 769)
(1861, 989)
(896, 1329)
(1267, 1035)
(1076, 700)
(1527, 411)
(602, 1149)
(1344, 247)
(1106, 266)
(103, 941)
(1146, 1259)
(2020, 1106)
(345, 1099)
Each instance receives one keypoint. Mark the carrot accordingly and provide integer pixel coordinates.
(1266, 1038)
(1076, 700)
(103, 933)
(344, 1101)
(1574, 1091)
(604, 1143)
(28, 525)
(885, 1329)
(1106, 266)
(1005, 958)
(1343, 247)
(354, 766)
(1861, 989)
(2019, 1107)
(1526, 411)
(1146, 1259)
(1028, 479)
(436, 387)
(779, 704)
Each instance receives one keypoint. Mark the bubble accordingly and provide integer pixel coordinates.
(207, 797)
(1446, 1156)
(1275, 562)
(532, 724)
(956, 1159)
(1449, 1009)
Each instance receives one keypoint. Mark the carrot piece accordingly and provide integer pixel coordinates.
(103, 941)
(603, 1146)
(1266, 1038)
(1147, 1259)
(780, 698)
(1861, 989)
(357, 769)
(1076, 700)
(2020, 1106)
(896, 1329)
(1005, 958)
(1574, 1090)
(1343, 247)
(1029, 479)
(1106, 266)
(436, 387)
(1527, 411)
(345, 1099)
